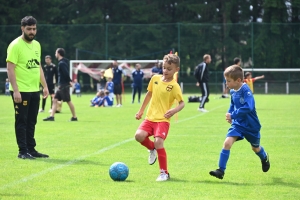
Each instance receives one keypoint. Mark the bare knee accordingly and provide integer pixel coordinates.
(255, 149)
(140, 135)
(159, 143)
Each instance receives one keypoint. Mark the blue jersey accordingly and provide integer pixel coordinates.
(96, 100)
(156, 69)
(110, 87)
(108, 101)
(137, 76)
(77, 86)
(117, 72)
(242, 110)
(6, 85)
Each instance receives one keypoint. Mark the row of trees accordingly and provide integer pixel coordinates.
(264, 33)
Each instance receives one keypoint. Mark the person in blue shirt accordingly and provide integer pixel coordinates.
(77, 88)
(7, 93)
(110, 87)
(243, 119)
(117, 80)
(157, 69)
(137, 77)
(107, 101)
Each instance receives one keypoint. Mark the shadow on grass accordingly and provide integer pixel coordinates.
(276, 181)
(176, 180)
(69, 162)
(218, 182)
(279, 181)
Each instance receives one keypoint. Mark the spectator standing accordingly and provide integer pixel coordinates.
(137, 85)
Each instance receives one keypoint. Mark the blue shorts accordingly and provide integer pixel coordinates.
(252, 138)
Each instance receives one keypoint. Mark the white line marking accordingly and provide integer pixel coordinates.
(200, 114)
(71, 162)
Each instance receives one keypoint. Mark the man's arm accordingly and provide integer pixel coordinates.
(13, 81)
(43, 82)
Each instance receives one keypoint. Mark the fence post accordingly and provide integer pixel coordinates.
(266, 87)
(287, 87)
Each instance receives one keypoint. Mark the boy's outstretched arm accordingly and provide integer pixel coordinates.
(172, 111)
(140, 113)
(259, 77)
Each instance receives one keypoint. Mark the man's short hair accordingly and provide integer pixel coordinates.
(236, 61)
(205, 57)
(28, 21)
(61, 52)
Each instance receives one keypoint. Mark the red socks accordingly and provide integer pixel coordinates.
(148, 144)
(162, 159)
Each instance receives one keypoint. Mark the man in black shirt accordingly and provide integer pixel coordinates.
(50, 72)
(64, 83)
(202, 76)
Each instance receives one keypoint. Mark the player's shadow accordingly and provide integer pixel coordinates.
(218, 182)
(69, 162)
(279, 181)
(177, 180)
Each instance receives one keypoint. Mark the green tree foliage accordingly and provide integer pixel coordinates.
(262, 31)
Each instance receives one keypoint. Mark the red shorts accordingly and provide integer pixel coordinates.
(156, 129)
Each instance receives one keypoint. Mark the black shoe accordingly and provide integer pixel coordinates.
(265, 164)
(217, 173)
(49, 119)
(73, 119)
(38, 155)
(25, 156)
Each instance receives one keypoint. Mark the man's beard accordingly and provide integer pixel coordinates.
(28, 38)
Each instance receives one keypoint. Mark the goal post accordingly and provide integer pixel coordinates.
(93, 67)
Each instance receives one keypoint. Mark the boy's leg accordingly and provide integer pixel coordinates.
(254, 140)
(224, 156)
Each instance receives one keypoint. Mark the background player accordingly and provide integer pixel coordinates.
(50, 72)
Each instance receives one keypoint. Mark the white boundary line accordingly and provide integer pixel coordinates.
(71, 162)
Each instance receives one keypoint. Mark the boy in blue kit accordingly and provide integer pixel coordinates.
(243, 119)
(7, 93)
(77, 88)
(110, 87)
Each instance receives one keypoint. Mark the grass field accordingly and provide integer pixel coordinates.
(81, 153)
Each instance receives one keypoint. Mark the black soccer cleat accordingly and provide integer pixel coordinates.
(38, 155)
(265, 164)
(25, 156)
(73, 119)
(49, 119)
(217, 173)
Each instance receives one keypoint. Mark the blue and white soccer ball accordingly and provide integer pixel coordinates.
(118, 171)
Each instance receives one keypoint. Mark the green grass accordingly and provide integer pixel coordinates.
(81, 153)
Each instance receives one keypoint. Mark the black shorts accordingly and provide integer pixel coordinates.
(51, 88)
(117, 89)
(63, 93)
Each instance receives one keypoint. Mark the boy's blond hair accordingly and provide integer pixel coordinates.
(172, 58)
(235, 72)
(205, 57)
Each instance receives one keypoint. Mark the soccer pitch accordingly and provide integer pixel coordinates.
(82, 152)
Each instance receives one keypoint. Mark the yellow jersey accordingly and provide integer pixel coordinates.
(163, 96)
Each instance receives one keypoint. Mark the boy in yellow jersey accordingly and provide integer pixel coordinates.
(25, 74)
(162, 91)
(249, 80)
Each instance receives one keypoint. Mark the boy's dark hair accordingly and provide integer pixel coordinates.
(247, 74)
(61, 52)
(234, 72)
(236, 61)
(28, 21)
(172, 58)
(48, 56)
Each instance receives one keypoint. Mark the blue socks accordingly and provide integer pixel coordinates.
(224, 156)
(262, 154)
